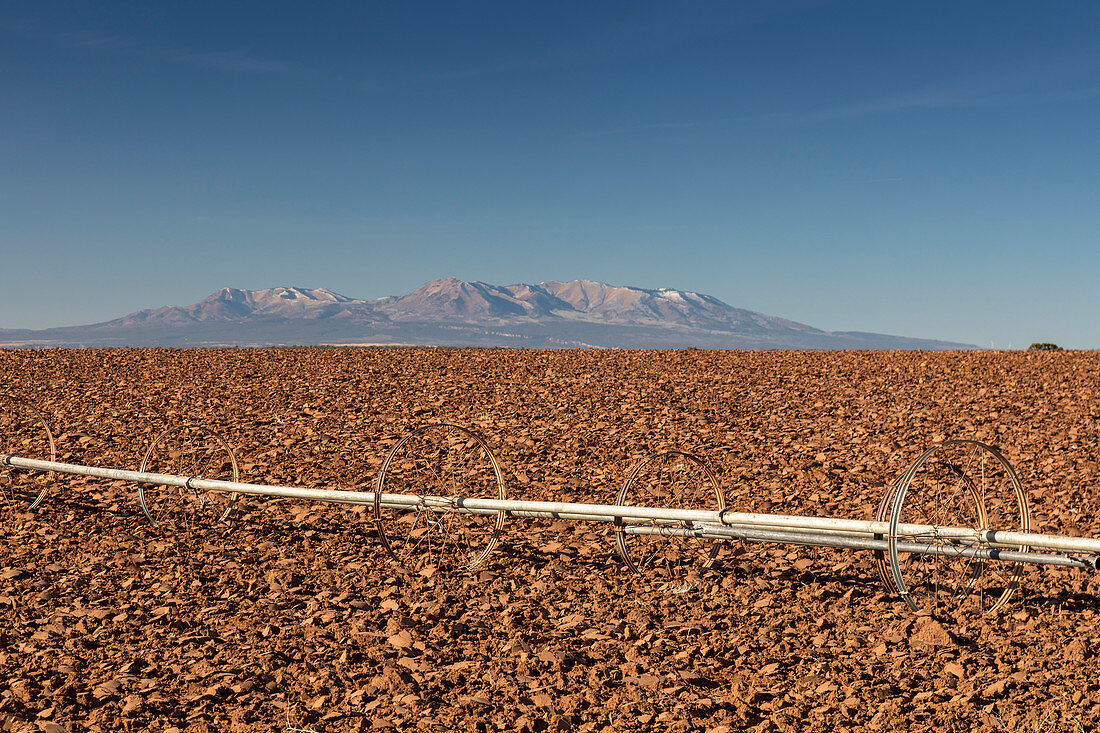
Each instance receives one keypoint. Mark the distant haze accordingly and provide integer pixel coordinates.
(452, 312)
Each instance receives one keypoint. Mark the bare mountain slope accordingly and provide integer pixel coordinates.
(667, 306)
(448, 311)
(231, 304)
(451, 298)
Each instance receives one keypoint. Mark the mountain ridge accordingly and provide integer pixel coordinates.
(454, 312)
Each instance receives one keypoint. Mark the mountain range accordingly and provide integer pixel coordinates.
(452, 312)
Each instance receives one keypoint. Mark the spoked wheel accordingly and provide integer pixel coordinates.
(882, 559)
(959, 483)
(447, 461)
(194, 452)
(672, 480)
(24, 432)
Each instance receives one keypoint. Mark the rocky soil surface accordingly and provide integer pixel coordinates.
(293, 618)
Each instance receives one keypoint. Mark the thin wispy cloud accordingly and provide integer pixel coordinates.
(234, 60)
(977, 96)
(652, 127)
(474, 72)
(391, 80)
(643, 34)
(238, 61)
(78, 39)
(933, 101)
(1032, 87)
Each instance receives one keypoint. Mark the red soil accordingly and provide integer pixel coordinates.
(295, 617)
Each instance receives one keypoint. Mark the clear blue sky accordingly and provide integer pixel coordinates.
(925, 169)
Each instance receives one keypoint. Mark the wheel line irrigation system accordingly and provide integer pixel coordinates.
(920, 555)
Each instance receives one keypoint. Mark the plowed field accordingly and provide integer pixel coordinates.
(294, 618)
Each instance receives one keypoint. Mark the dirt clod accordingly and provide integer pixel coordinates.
(293, 616)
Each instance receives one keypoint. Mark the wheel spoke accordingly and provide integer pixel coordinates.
(670, 480)
(936, 494)
(25, 432)
(444, 461)
(191, 452)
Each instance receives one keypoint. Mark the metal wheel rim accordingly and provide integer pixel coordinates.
(383, 472)
(620, 500)
(903, 485)
(41, 419)
(162, 437)
(882, 562)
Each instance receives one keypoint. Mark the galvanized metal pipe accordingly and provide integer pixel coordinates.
(585, 512)
(542, 510)
(825, 539)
